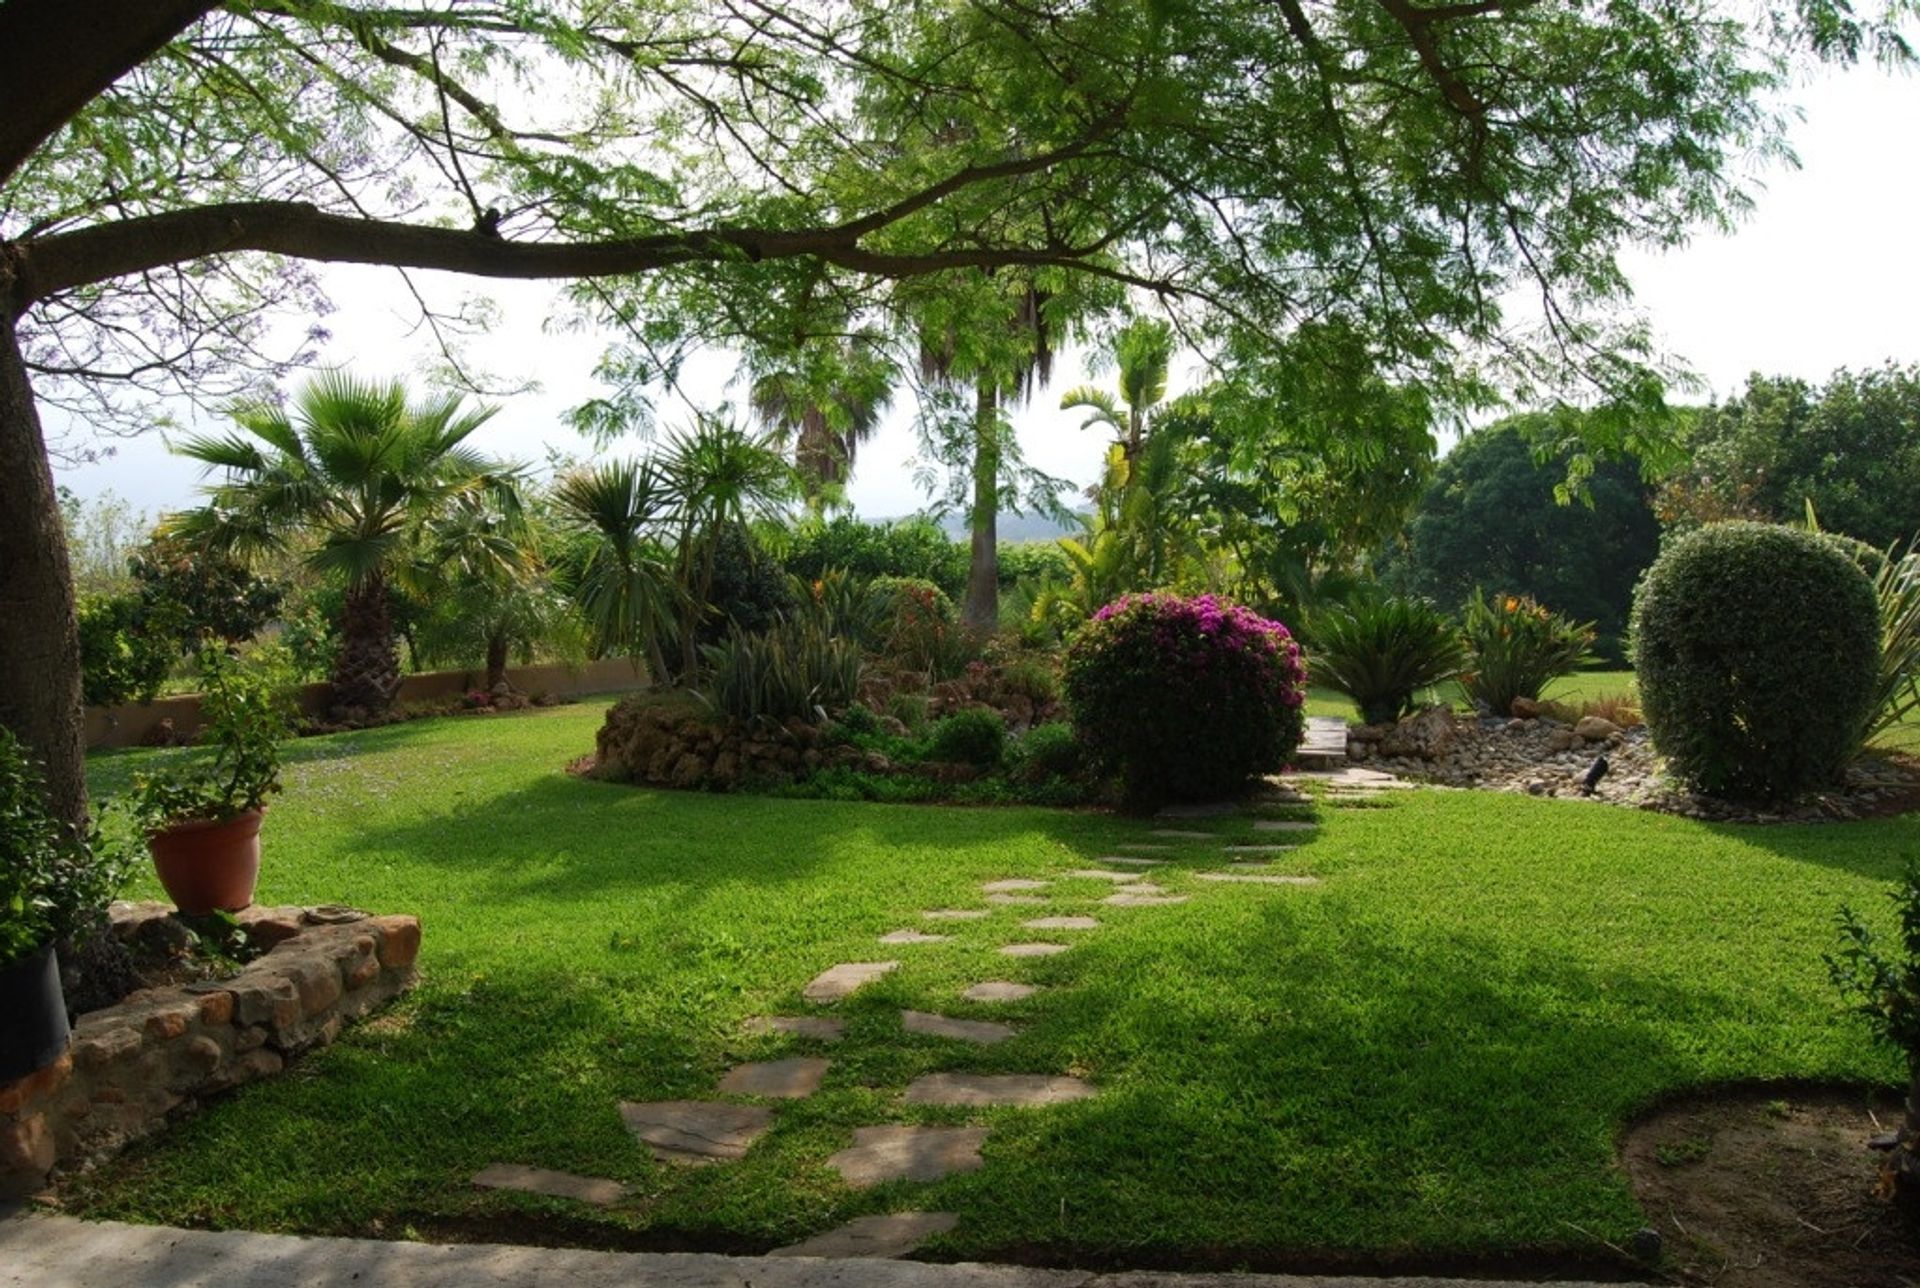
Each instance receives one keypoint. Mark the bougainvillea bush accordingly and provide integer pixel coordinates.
(1185, 699)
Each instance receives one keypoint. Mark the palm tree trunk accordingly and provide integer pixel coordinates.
(366, 671)
(39, 643)
(982, 610)
(496, 659)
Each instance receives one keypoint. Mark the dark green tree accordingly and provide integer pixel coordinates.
(1496, 516)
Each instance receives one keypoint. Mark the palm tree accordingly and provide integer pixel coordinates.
(722, 477)
(348, 477)
(828, 398)
(1145, 352)
(481, 569)
(626, 587)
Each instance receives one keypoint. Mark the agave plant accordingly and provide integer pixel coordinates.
(792, 670)
(1383, 652)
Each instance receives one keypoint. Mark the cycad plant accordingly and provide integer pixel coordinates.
(488, 588)
(1382, 652)
(348, 476)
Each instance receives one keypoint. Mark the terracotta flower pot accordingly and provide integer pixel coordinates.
(209, 865)
(33, 1015)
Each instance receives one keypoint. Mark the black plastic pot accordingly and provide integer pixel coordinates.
(33, 1015)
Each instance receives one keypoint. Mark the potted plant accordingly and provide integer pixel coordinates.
(54, 880)
(202, 819)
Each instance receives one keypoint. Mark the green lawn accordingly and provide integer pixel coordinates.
(1429, 1055)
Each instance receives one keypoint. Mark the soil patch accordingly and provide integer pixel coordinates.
(1773, 1187)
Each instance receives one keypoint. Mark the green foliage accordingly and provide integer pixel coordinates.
(974, 737)
(1045, 752)
(1515, 646)
(1381, 652)
(1883, 984)
(795, 669)
(1493, 515)
(1757, 650)
(199, 596)
(1033, 561)
(749, 590)
(625, 584)
(120, 659)
(1186, 699)
(912, 548)
(54, 881)
(922, 631)
(1895, 573)
(245, 710)
(1849, 448)
(848, 605)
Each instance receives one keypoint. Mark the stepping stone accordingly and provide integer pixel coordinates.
(1203, 809)
(996, 1089)
(1256, 878)
(817, 1027)
(1178, 835)
(1143, 887)
(1024, 900)
(1034, 950)
(696, 1131)
(1061, 923)
(794, 1078)
(901, 1153)
(1142, 845)
(559, 1185)
(913, 937)
(1013, 883)
(1260, 849)
(1000, 990)
(1282, 825)
(954, 914)
(836, 982)
(893, 1234)
(1100, 874)
(1133, 899)
(945, 1026)
(1132, 862)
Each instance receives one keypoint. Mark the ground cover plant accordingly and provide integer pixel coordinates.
(1354, 1068)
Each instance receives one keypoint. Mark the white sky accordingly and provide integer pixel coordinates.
(1825, 273)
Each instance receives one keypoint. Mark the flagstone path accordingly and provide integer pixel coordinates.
(794, 1078)
(999, 990)
(696, 1131)
(836, 982)
(1061, 923)
(817, 1027)
(1033, 950)
(946, 1026)
(596, 1190)
(900, 1152)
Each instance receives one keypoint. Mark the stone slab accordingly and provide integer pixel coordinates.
(1061, 923)
(596, 1190)
(696, 1131)
(1133, 862)
(1013, 883)
(999, 990)
(1180, 834)
(1130, 899)
(913, 937)
(946, 1026)
(794, 1078)
(817, 1027)
(992, 1089)
(836, 982)
(898, 1152)
(892, 1234)
(1033, 950)
(50, 1251)
(1021, 900)
(1260, 849)
(1257, 878)
(954, 914)
(1282, 825)
(1101, 874)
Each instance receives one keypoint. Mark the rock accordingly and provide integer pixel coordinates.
(1562, 739)
(1013, 883)
(794, 1078)
(903, 1153)
(1524, 709)
(912, 937)
(1595, 728)
(999, 990)
(1132, 898)
(1429, 735)
(1034, 949)
(696, 1131)
(1061, 923)
(1364, 734)
(945, 1026)
(955, 914)
(836, 982)
(988, 1089)
(596, 1190)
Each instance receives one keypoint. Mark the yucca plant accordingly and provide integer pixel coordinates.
(795, 669)
(1383, 652)
(1516, 646)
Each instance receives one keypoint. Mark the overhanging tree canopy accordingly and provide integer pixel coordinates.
(166, 165)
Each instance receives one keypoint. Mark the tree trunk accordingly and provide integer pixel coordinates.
(496, 659)
(39, 645)
(982, 611)
(366, 671)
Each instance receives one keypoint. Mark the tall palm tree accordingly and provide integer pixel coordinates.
(1145, 352)
(348, 477)
(482, 570)
(828, 399)
(626, 588)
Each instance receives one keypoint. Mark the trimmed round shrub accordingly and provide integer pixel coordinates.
(1757, 650)
(969, 738)
(1043, 752)
(1185, 699)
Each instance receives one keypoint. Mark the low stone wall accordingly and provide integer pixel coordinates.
(160, 1051)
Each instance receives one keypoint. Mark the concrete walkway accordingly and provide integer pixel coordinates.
(45, 1251)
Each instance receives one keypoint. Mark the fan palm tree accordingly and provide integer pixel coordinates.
(626, 587)
(1145, 353)
(828, 399)
(481, 569)
(348, 476)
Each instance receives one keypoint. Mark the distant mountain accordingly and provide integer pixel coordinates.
(1014, 527)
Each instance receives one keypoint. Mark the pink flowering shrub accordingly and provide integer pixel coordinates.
(1186, 699)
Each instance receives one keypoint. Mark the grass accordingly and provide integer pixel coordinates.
(1427, 1057)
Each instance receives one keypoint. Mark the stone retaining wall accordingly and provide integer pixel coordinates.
(160, 1051)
